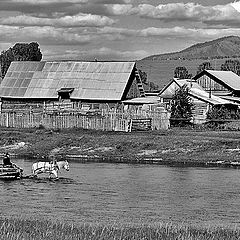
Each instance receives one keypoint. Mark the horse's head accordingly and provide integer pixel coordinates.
(66, 165)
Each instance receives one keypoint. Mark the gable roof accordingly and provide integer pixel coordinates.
(90, 80)
(227, 78)
(169, 90)
(195, 91)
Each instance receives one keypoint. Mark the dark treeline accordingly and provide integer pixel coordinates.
(19, 52)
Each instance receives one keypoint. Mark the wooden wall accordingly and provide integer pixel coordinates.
(209, 84)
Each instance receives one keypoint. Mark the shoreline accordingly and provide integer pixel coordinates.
(175, 147)
(137, 160)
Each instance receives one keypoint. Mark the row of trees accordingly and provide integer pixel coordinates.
(19, 52)
(228, 65)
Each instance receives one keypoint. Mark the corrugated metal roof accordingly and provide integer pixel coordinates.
(189, 82)
(143, 100)
(232, 99)
(204, 96)
(228, 77)
(170, 89)
(90, 80)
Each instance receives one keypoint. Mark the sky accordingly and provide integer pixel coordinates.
(115, 29)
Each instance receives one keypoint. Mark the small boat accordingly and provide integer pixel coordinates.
(10, 172)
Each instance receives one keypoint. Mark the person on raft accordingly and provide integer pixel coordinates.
(7, 161)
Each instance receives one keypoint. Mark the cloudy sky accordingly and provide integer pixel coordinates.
(115, 29)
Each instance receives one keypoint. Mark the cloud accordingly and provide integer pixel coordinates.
(44, 35)
(168, 33)
(49, 35)
(39, 2)
(188, 33)
(120, 9)
(101, 54)
(80, 20)
(219, 14)
(64, 7)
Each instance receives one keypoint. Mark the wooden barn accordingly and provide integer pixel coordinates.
(225, 84)
(79, 84)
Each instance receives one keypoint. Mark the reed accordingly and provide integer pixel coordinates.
(35, 229)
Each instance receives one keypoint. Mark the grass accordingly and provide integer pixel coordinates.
(16, 229)
(174, 145)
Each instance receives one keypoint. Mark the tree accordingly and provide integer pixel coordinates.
(153, 87)
(148, 86)
(6, 58)
(181, 107)
(204, 66)
(182, 73)
(222, 112)
(19, 52)
(143, 76)
(219, 115)
(231, 65)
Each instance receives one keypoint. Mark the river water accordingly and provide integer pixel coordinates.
(122, 193)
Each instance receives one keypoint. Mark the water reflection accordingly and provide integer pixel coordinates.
(126, 193)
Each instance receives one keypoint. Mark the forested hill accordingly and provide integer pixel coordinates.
(219, 48)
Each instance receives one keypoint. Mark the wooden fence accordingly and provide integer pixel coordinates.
(111, 120)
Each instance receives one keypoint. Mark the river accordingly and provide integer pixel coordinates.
(122, 193)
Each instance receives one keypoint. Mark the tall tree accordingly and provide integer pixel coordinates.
(182, 73)
(19, 52)
(181, 107)
(204, 66)
(231, 65)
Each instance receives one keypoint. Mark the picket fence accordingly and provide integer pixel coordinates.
(106, 120)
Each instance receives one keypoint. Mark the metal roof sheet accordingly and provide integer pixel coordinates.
(204, 96)
(90, 80)
(169, 90)
(143, 100)
(228, 77)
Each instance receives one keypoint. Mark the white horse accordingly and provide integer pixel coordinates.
(49, 167)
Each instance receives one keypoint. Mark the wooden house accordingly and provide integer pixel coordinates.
(85, 84)
(202, 100)
(225, 84)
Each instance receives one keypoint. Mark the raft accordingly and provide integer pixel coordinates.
(10, 172)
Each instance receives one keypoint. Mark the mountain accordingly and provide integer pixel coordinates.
(160, 68)
(219, 48)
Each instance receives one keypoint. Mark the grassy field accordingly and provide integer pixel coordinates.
(174, 146)
(16, 229)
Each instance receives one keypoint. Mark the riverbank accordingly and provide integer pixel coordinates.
(173, 147)
(34, 229)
